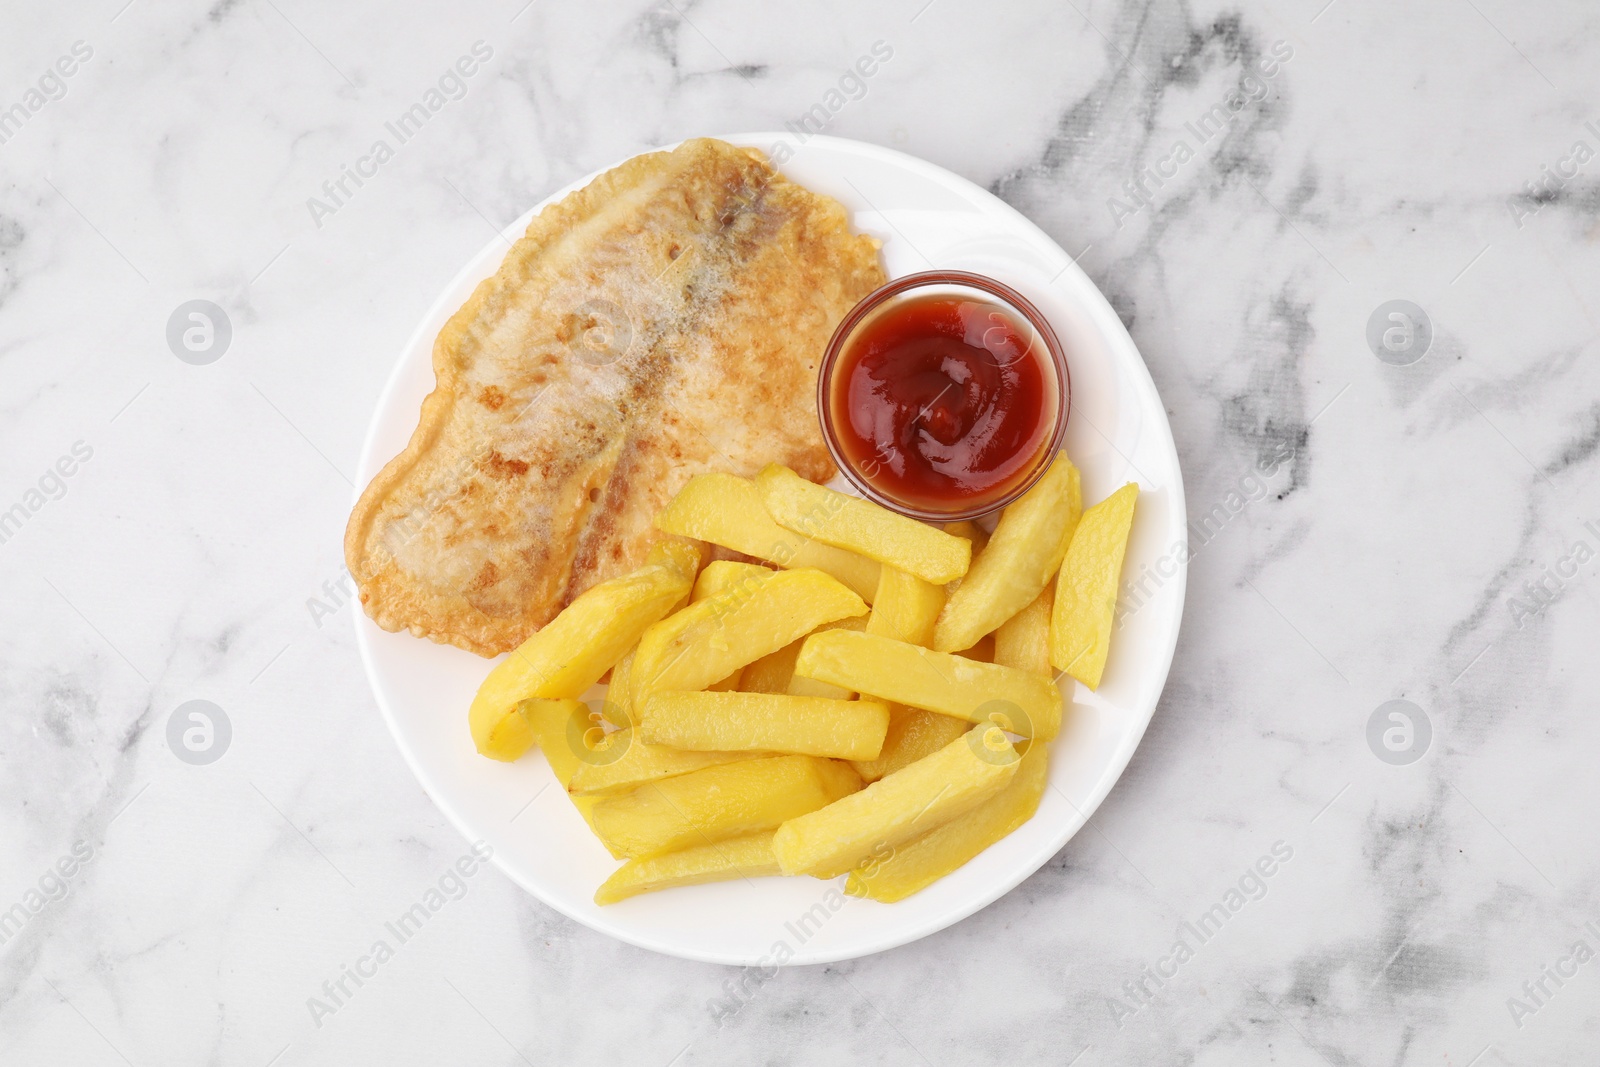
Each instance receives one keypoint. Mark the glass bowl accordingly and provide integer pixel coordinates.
(980, 289)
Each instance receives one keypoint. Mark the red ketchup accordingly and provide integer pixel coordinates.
(944, 402)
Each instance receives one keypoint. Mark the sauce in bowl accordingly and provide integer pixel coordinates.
(943, 395)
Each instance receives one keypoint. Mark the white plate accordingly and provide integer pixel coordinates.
(926, 217)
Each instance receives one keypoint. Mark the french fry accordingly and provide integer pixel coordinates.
(716, 803)
(774, 672)
(764, 722)
(1025, 550)
(726, 510)
(810, 687)
(905, 608)
(860, 526)
(549, 724)
(912, 734)
(552, 725)
(1023, 641)
(922, 861)
(618, 707)
(1086, 590)
(722, 574)
(934, 681)
(579, 645)
(710, 639)
(738, 857)
(660, 638)
(971, 531)
(906, 804)
(638, 762)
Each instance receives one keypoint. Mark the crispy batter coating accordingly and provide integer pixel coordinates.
(664, 321)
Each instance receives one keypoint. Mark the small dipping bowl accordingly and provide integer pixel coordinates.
(944, 395)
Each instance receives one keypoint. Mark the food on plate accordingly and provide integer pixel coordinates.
(1023, 641)
(571, 654)
(943, 394)
(890, 670)
(970, 530)
(919, 863)
(711, 638)
(550, 725)
(719, 802)
(774, 673)
(622, 762)
(912, 734)
(860, 526)
(896, 808)
(726, 510)
(1085, 608)
(853, 684)
(732, 741)
(746, 722)
(617, 708)
(906, 607)
(723, 574)
(737, 857)
(664, 321)
(1021, 557)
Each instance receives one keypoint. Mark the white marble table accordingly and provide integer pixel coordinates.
(1371, 529)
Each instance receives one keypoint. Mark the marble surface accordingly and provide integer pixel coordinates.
(1365, 531)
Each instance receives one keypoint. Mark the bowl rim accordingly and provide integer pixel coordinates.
(1004, 295)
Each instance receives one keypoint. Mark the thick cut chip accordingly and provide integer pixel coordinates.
(726, 510)
(1023, 641)
(664, 321)
(552, 724)
(912, 734)
(906, 804)
(569, 655)
(810, 687)
(774, 673)
(919, 863)
(1022, 555)
(860, 526)
(971, 531)
(721, 575)
(623, 762)
(618, 707)
(894, 671)
(709, 640)
(719, 802)
(1086, 590)
(738, 857)
(906, 607)
(757, 722)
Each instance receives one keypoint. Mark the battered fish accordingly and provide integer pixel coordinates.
(664, 321)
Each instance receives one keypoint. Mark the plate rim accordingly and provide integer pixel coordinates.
(1112, 771)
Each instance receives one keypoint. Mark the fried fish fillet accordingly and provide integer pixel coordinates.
(664, 321)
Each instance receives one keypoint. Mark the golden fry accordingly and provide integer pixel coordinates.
(1086, 590)
(860, 526)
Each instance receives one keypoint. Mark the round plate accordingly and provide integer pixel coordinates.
(926, 217)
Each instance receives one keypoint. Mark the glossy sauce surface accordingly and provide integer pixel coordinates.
(943, 401)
